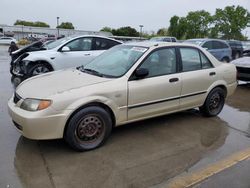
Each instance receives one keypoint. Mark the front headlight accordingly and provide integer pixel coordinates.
(35, 104)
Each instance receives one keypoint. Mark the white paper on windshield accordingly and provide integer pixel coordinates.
(139, 49)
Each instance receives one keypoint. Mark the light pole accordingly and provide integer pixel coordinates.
(57, 18)
(141, 26)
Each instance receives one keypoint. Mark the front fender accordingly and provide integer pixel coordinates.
(120, 113)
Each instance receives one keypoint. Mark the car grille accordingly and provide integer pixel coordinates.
(17, 98)
(243, 70)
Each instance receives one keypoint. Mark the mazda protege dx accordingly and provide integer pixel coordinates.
(127, 83)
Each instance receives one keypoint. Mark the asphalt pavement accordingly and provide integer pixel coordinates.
(151, 153)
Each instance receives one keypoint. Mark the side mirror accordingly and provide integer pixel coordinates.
(65, 49)
(141, 73)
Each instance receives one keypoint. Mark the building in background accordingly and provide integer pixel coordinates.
(20, 31)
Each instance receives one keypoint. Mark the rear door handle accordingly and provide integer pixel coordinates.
(173, 80)
(212, 73)
(87, 54)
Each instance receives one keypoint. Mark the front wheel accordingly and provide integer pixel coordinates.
(38, 69)
(214, 103)
(88, 128)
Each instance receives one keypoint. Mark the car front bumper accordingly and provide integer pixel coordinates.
(39, 125)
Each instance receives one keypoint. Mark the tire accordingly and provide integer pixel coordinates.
(38, 69)
(16, 80)
(214, 103)
(88, 128)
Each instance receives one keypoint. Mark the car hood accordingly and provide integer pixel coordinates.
(46, 85)
(24, 49)
(32, 56)
(242, 62)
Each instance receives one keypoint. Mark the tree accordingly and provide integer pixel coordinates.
(198, 24)
(106, 29)
(125, 31)
(32, 24)
(66, 25)
(162, 32)
(177, 27)
(230, 22)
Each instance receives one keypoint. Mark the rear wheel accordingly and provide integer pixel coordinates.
(88, 128)
(38, 69)
(214, 102)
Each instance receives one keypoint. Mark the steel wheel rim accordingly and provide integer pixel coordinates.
(90, 129)
(215, 102)
(40, 70)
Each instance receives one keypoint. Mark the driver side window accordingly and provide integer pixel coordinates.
(81, 44)
(160, 62)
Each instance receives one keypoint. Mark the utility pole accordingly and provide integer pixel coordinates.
(141, 26)
(57, 18)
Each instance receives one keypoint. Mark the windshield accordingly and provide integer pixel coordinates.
(57, 43)
(197, 42)
(116, 61)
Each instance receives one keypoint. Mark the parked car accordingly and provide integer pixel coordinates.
(246, 45)
(7, 40)
(35, 46)
(63, 53)
(163, 39)
(243, 68)
(218, 48)
(237, 48)
(127, 83)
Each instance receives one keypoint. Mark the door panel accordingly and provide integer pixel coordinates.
(197, 76)
(159, 92)
(194, 87)
(153, 96)
(80, 54)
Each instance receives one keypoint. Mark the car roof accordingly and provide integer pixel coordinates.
(149, 44)
(206, 39)
(100, 36)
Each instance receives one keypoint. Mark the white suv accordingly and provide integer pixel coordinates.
(60, 54)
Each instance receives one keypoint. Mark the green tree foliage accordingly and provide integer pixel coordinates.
(198, 24)
(126, 31)
(32, 24)
(122, 31)
(230, 22)
(177, 27)
(66, 25)
(106, 29)
(226, 23)
(162, 32)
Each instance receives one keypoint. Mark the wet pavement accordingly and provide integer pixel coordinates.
(143, 154)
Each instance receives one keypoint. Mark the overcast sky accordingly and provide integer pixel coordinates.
(95, 14)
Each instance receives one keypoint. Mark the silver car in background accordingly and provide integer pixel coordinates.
(218, 48)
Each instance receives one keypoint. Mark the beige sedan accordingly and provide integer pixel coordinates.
(127, 83)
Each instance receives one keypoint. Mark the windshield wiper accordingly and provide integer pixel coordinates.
(94, 72)
(90, 71)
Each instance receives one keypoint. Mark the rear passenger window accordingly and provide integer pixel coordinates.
(208, 45)
(190, 59)
(206, 64)
(223, 45)
(104, 44)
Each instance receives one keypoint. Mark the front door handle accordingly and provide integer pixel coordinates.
(87, 54)
(212, 73)
(173, 80)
